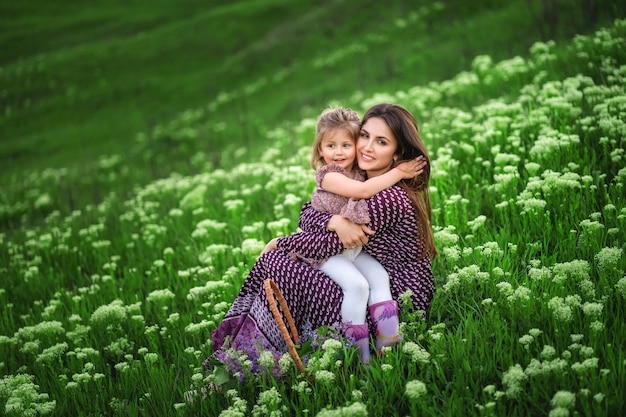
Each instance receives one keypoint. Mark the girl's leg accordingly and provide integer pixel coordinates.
(375, 275)
(383, 310)
(354, 306)
(353, 284)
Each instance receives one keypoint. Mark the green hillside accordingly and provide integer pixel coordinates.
(150, 150)
(78, 81)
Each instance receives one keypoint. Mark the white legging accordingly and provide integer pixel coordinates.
(362, 279)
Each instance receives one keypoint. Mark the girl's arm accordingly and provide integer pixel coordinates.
(337, 183)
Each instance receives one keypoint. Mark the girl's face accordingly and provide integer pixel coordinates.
(338, 148)
(376, 147)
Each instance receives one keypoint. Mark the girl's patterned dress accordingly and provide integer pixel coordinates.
(312, 297)
(353, 209)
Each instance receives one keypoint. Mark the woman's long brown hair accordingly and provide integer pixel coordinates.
(404, 127)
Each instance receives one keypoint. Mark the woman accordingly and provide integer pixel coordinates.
(399, 237)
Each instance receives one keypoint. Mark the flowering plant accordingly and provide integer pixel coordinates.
(252, 361)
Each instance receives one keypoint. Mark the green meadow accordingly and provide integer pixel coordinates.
(149, 150)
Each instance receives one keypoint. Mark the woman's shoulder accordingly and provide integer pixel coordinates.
(393, 192)
(394, 195)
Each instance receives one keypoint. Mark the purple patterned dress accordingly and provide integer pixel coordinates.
(311, 296)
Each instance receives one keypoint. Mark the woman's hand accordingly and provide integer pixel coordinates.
(352, 235)
(270, 246)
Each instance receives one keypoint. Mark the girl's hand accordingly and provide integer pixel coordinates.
(412, 168)
(352, 235)
(270, 246)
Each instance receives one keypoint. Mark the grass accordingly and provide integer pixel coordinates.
(137, 247)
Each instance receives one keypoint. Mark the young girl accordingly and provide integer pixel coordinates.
(342, 189)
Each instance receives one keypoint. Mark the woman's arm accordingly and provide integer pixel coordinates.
(337, 183)
(385, 209)
(311, 245)
(388, 208)
(311, 220)
(315, 242)
(349, 233)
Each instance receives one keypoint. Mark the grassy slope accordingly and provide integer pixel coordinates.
(90, 78)
(85, 81)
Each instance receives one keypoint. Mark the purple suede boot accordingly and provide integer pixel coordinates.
(386, 323)
(359, 334)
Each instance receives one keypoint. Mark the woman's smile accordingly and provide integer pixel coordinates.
(366, 158)
(376, 147)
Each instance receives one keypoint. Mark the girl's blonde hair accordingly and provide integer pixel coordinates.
(330, 120)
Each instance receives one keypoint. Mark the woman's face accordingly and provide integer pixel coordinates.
(376, 147)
